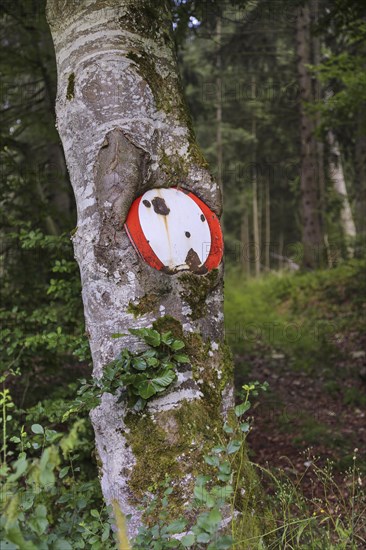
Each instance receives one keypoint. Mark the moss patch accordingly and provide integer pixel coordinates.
(172, 444)
(196, 290)
(166, 323)
(146, 19)
(212, 381)
(174, 167)
(194, 150)
(146, 304)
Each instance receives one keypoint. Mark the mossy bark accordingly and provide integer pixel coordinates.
(125, 129)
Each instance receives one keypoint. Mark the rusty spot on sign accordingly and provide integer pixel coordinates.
(194, 263)
(160, 206)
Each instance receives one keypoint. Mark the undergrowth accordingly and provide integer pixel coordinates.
(300, 315)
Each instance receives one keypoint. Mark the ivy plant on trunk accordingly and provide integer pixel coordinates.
(125, 130)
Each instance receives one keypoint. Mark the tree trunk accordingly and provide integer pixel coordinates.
(267, 243)
(360, 183)
(280, 251)
(244, 237)
(339, 183)
(219, 154)
(319, 143)
(256, 238)
(313, 240)
(125, 129)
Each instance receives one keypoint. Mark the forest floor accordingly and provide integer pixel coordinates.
(305, 334)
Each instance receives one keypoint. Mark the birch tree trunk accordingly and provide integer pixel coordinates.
(339, 184)
(125, 129)
(313, 239)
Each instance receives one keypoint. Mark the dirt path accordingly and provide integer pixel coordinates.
(305, 416)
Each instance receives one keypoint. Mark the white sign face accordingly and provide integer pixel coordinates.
(175, 228)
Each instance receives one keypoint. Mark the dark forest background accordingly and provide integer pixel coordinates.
(277, 96)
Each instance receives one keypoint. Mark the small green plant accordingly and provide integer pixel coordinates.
(139, 376)
(203, 533)
(212, 508)
(43, 489)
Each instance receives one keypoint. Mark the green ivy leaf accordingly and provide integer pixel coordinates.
(225, 467)
(62, 544)
(212, 460)
(188, 540)
(176, 526)
(37, 429)
(233, 447)
(167, 338)
(39, 522)
(106, 531)
(223, 477)
(20, 467)
(63, 472)
(204, 496)
(242, 408)
(218, 449)
(139, 364)
(130, 379)
(203, 537)
(146, 389)
(228, 429)
(244, 426)
(181, 358)
(165, 379)
(177, 345)
(202, 479)
(149, 335)
(203, 524)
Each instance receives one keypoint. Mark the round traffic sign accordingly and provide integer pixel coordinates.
(173, 230)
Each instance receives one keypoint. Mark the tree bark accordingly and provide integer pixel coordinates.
(360, 182)
(314, 6)
(339, 184)
(244, 238)
(125, 129)
(267, 244)
(219, 152)
(313, 239)
(256, 237)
